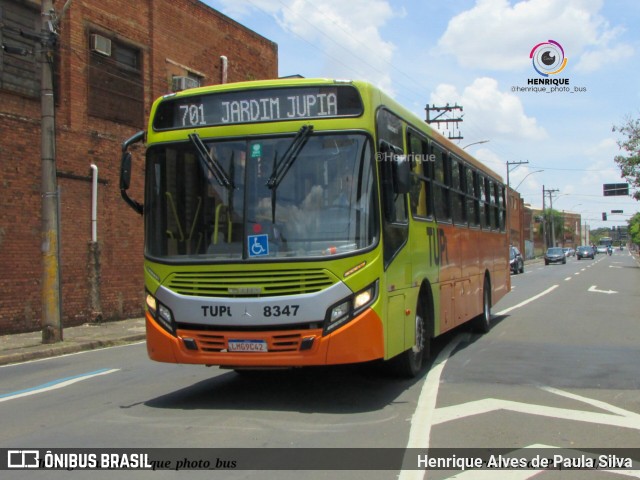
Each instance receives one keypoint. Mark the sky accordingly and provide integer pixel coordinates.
(476, 54)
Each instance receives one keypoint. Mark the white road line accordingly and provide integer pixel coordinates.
(55, 384)
(84, 352)
(621, 418)
(522, 304)
(420, 432)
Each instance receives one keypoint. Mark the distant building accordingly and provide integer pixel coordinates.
(516, 220)
(113, 59)
(568, 231)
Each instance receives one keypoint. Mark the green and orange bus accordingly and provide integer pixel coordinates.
(300, 222)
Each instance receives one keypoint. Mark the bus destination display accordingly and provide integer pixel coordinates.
(268, 105)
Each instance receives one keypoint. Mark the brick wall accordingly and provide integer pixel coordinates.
(176, 38)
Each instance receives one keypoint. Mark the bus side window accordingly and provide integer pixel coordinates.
(472, 198)
(421, 188)
(493, 194)
(394, 205)
(440, 186)
(502, 207)
(457, 191)
(486, 201)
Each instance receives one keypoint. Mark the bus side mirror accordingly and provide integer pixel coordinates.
(125, 172)
(401, 174)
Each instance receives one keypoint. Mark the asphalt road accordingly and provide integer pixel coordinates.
(558, 369)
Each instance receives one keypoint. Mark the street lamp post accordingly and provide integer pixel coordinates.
(475, 143)
(525, 177)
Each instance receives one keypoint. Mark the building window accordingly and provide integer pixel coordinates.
(116, 91)
(19, 69)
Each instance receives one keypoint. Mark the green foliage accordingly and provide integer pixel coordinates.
(554, 219)
(634, 229)
(629, 162)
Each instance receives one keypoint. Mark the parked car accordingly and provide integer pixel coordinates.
(554, 255)
(516, 260)
(585, 251)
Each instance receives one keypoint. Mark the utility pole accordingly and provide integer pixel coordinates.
(446, 121)
(544, 220)
(553, 229)
(51, 318)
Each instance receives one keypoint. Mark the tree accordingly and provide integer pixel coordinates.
(552, 219)
(629, 163)
(634, 229)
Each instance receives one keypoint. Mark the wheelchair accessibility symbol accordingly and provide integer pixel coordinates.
(258, 245)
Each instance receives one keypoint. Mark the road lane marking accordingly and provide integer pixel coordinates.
(617, 418)
(83, 352)
(567, 279)
(55, 384)
(522, 304)
(593, 288)
(420, 432)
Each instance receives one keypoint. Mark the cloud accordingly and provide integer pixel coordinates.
(496, 35)
(346, 33)
(497, 114)
(596, 59)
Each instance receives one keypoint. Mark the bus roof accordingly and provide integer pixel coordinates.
(371, 94)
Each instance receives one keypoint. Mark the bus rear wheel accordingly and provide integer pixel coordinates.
(482, 323)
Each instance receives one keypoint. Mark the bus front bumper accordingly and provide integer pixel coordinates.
(360, 340)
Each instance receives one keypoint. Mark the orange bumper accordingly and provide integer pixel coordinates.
(360, 340)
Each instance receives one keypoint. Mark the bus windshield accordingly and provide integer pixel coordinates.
(323, 203)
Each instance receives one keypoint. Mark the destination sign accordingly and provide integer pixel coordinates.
(252, 106)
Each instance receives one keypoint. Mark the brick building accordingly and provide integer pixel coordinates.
(516, 219)
(113, 58)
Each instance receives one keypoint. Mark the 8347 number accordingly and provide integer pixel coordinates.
(280, 311)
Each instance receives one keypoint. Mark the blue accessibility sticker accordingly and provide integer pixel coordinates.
(258, 245)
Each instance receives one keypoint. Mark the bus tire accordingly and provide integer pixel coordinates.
(409, 363)
(482, 323)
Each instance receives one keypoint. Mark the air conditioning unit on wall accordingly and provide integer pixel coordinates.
(183, 83)
(100, 44)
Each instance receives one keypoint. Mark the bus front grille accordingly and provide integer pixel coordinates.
(217, 342)
(259, 283)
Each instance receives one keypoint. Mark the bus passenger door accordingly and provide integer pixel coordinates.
(396, 252)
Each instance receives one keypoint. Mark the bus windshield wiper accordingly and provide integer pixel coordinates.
(289, 156)
(210, 163)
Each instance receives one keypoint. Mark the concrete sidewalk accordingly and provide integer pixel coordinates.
(22, 347)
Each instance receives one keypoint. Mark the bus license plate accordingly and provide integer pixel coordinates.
(248, 346)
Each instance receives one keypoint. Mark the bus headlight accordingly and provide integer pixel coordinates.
(362, 299)
(160, 313)
(340, 311)
(348, 308)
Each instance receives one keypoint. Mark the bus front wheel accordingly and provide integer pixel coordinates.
(409, 363)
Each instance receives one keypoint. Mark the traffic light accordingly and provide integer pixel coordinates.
(604, 216)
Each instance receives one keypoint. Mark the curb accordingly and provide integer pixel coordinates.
(58, 350)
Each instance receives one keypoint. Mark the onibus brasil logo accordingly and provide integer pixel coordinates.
(548, 58)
